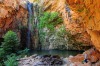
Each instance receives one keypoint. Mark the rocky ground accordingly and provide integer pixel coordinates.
(44, 60)
(93, 57)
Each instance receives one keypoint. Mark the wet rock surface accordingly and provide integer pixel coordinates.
(43, 60)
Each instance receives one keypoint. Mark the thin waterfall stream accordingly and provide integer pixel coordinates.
(29, 7)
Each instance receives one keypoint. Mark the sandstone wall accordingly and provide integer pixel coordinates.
(72, 19)
(89, 10)
(84, 19)
(12, 14)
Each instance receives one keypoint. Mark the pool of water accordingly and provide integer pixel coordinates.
(62, 53)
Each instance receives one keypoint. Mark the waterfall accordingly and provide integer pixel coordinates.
(33, 20)
(29, 8)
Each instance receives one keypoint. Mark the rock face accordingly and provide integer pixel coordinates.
(72, 20)
(81, 17)
(93, 57)
(12, 15)
(89, 11)
(45, 60)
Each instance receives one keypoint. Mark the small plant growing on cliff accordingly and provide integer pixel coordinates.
(11, 42)
(50, 20)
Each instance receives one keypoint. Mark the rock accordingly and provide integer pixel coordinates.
(97, 64)
(79, 64)
(70, 56)
(75, 25)
(56, 56)
(77, 58)
(35, 55)
(45, 60)
(45, 56)
(37, 63)
(93, 57)
(11, 17)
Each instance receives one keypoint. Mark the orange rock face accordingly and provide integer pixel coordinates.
(73, 22)
(89, 10)
(93, 56)
(84, 19)
(11, 15)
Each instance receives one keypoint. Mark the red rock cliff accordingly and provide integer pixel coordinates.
(89, 10)
(74, 22)
(84, 19)
(12, 13)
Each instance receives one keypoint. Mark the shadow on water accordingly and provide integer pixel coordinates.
(61, 53)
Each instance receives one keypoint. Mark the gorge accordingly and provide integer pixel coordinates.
(42, 26)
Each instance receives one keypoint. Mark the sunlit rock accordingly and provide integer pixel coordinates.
(12, 14)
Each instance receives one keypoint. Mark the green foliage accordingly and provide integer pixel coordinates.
(11, 42)
(2, 53)
(23, 52)
(1, 64)
(60, 38)
(61, 31)
(22, 27)
(11, 60)
(9, 46)
(47, 23)
(49, 20)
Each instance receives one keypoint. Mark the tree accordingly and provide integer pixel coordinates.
(11, 42)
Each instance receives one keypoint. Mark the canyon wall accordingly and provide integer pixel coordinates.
(13, 14)
(71, 19)
(89, 10)
(81, 17)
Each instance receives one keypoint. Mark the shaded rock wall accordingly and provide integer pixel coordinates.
(12, 14)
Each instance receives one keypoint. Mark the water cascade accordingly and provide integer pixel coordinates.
(29, 8)
(32, 33)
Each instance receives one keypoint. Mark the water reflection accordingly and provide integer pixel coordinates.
(62, 53)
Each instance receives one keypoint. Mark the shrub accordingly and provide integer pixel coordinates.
(11, 42)
(50, 20)
(59, 39)
(2, 53)
(11, 60)
(23, 52)
(47, 24)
